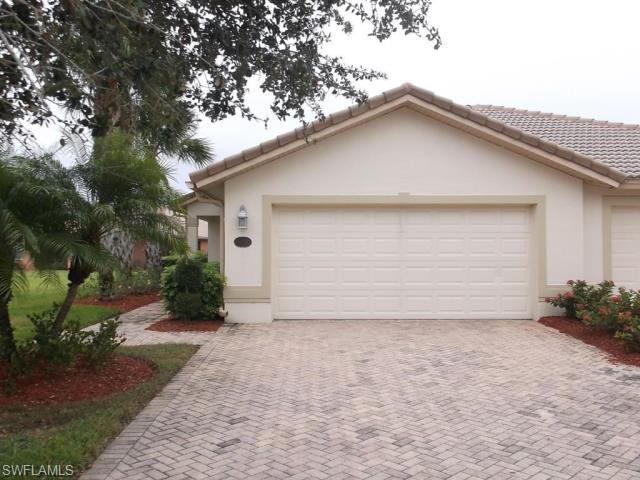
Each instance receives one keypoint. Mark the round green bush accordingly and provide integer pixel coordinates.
(188, 275)
(204, 299)
(188, 306)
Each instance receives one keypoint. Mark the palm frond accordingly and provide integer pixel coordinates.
(193, 151)
(50, 278)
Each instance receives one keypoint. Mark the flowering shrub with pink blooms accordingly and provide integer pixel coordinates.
(629, 331)
(581, 295)
(599, 306)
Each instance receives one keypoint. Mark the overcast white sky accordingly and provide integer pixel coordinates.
(578, 57)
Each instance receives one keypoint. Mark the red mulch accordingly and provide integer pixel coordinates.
(77, 382)
(598, 338)
(175, 325)
(123, 304)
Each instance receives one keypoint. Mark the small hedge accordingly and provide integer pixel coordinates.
(601, 307)
(192, 288)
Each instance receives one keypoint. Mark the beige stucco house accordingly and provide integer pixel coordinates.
(412, 206)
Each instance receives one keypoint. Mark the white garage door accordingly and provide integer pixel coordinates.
(625, 246)
(402, 262)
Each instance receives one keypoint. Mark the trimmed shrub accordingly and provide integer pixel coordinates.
(629, 331)
(188, 273)
(213, 283)
(193, 289)
(99, 345)
(173, 258)
(581, 294)
(599, 307)
(200, 257)
(187, 306)
(51, 348)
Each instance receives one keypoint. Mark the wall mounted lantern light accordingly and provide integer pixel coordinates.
(243, 218)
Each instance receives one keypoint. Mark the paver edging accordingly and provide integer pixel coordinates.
(119, 447)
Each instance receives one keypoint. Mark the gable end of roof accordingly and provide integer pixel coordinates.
(475, 114)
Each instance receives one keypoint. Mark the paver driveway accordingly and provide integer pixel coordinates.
(394, 399)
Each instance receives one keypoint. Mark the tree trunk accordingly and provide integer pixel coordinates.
(7, 340)
(65, 307)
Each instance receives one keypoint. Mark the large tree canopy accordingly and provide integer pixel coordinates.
(145, 66)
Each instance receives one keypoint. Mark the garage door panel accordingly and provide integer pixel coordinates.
(291, 304)
(322, 304)
(319, 276)
(483, 304)
(515, 304)
(386, 276)
(386, 246)
(627, 276)
(291, 275)
(356, 246)
(404, 262)
(418, 276)
(419, 245)
(289, 245)
(625, 246)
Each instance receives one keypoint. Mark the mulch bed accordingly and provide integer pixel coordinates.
(174, 325)
(123, 304)
(77, 382)
(598, 338)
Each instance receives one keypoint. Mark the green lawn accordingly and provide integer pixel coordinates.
(75, 434)
(39, 297)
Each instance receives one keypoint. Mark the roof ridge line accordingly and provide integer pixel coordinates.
(388, 96)
(559, 116)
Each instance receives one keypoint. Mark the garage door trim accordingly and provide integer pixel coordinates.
(262, 293)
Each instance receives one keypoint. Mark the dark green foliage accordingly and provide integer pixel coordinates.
(200, 257)
(182, 300)
(187, 306)
(175, 257)
(170, 260)
(98, 346)
(188, 272)
(145, 66)
(213, 283)
(51, 350)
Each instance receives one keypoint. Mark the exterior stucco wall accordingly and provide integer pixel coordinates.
(406, 152)
(593, 234)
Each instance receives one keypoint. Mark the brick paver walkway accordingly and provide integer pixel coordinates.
(135, 322)
(388, 400)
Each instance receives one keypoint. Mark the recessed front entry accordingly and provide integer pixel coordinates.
(402, 262)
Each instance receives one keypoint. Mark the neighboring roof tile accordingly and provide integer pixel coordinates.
(614, 144)
(499, 119)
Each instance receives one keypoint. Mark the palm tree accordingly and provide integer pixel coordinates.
(46, 198)
(166, 133)
(16, 239)
(37, 198)
(124, 189)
